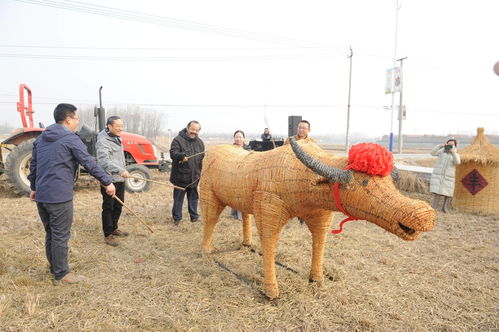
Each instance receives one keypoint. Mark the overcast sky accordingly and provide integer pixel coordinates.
(220, 62)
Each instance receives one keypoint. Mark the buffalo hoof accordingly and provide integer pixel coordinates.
(315, 278)
(271, 291)
(206, 250)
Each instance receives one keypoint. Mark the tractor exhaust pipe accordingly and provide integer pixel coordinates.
(100, 97)
(100, 114)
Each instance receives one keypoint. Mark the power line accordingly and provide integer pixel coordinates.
(161, 58)
(167, 21)
(169, 48)
(188, 25)
(326, 48)
(248, 106)
(113, 104)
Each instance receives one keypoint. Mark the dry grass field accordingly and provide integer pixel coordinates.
(445, 281)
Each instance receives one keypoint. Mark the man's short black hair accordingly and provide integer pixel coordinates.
(193, 121)
(62, 111)
(305, 121)
(111, 119)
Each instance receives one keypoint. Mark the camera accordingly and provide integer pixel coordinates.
(448, 147)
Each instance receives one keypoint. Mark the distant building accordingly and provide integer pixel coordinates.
(429, 141)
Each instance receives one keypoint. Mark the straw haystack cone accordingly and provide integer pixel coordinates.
(477, 177)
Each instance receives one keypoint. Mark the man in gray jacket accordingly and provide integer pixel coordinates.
(111, 158)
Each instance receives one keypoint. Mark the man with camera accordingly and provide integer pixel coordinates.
(444, 173)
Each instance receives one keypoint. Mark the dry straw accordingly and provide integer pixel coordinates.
(376, 282)
(477, 177)
(409, 181)
(296, 180)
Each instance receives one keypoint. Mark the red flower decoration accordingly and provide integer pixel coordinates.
(370, 158)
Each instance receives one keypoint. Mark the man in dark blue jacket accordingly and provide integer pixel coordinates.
(56, 155)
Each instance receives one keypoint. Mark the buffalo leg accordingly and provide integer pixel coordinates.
(271, 214)
(318, 223)
(247, 238)
(211, 208)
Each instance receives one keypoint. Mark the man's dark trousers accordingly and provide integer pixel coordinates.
(192, 202)
(111, 208)
(57, 219)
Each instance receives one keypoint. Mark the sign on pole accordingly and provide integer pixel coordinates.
(397, 79)
(389, 81)
(393, 80)
(404, 113)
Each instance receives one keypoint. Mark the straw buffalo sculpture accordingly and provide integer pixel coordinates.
(301, 180)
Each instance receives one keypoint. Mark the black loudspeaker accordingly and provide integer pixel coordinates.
(264, 145)
(293, 121)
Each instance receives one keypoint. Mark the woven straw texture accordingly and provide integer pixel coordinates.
(481, 157)
(275, 186)
(480, 151)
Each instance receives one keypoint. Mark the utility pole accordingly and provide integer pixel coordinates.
(347, 144)
(401, 106)
(394, 64)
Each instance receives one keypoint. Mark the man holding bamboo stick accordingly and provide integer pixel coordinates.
(111, 158)
(187, 153)
(55, 158)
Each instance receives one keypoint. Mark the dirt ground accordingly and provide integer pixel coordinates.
(445, 281)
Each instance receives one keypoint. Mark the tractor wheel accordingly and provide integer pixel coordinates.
(134, 185)
(17, 167)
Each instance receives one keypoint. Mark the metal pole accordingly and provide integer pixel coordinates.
(401, 106)
(347, 144)
(101, 113)
(100, 97)
(394, 64)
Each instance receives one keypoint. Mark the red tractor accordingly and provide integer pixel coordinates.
(140, 153)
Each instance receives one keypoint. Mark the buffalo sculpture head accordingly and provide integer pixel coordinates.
(367, 191)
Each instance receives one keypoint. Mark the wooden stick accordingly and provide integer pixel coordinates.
(196, 154)
(163, 183)
(135, 214)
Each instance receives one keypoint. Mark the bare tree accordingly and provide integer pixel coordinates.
(146, 122)
(86, 115)
(151, 123)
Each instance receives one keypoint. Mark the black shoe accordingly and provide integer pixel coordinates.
(194, 219)
(176, 222)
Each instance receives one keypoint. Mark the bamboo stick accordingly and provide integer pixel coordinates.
(158, 182)
(196, 154)
(135, 214)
